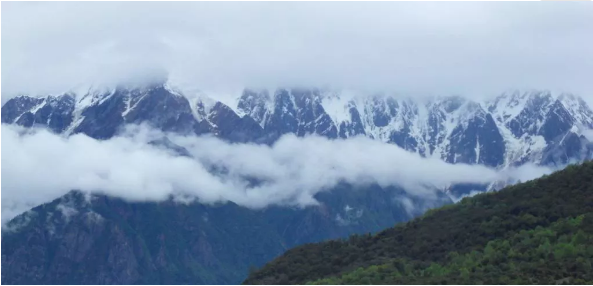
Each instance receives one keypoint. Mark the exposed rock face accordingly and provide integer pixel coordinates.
(512, 129)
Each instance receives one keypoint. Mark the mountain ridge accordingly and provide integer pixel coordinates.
(528, 216)
(91, 238)
(520, 128)
(509, 130)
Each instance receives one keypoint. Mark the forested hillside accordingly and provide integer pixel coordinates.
(540, 231)
(97, 239)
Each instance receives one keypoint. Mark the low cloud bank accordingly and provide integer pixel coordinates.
(39, 166)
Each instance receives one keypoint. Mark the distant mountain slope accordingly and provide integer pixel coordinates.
(81, 239)
(512, 129)
(487, 223)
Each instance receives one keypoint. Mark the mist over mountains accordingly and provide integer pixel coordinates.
(213, 151)
(185, 143)
(293, 165)
(516, 126)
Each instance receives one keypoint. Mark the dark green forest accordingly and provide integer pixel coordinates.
(540, 256)
(537, 232)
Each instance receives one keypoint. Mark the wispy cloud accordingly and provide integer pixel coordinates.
(38, 166)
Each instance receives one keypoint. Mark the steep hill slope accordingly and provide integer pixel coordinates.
(472, 228)
(94, 239)
(558, 254)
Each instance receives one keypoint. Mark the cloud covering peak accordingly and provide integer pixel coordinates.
(420, 47)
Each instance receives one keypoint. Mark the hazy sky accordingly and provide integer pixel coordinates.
(468, 48)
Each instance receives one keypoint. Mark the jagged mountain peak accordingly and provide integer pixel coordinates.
(517, 99)
(255, 104)
(448, 103)
(578, 107)
(514, 98)
(520, 124)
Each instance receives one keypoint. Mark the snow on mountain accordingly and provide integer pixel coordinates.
(255, 104)
(338, 105)
(578, 108)
(511, 129)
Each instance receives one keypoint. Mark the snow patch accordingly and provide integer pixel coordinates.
(337, 107)
(588, 134)
(39, 106)
(200, 105)
(477, 150)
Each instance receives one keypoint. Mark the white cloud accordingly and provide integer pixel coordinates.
(588, 134)
(39, 166)
(420, 47)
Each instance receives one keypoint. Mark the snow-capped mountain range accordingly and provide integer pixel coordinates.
(511, 129)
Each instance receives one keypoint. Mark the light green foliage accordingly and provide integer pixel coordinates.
(498, 262)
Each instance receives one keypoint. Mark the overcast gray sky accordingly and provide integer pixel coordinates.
(440, 48)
